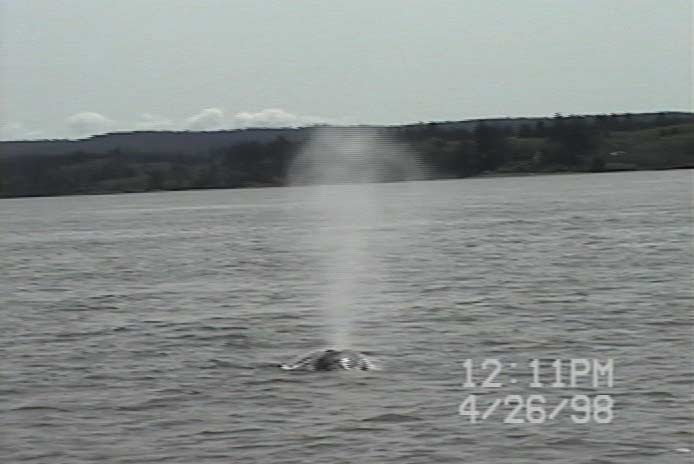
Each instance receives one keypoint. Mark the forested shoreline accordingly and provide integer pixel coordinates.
(592, 143)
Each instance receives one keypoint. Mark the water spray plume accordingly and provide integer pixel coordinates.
(340, 166)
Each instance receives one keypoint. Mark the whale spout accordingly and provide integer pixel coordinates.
(331, 360)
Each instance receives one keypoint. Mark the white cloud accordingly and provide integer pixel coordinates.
(18, 131)
(274, 117)
(88, 123)
(207, 119)
(152, 122)
(214, 119)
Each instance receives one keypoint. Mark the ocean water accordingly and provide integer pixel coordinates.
(143, 328)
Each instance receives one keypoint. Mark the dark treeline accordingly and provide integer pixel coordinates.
(562, 143)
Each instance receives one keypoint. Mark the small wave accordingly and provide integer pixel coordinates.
(38, 407)
(393, 418)
(214, 432)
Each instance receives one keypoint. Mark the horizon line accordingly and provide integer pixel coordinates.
(363, 125)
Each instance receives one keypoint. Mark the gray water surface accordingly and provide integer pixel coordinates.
(146, 328)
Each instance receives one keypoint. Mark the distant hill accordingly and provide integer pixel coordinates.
(196, 143)
(154, 161)
(641, 119)
(147, 142)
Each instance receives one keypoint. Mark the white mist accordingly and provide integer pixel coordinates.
(340, 167)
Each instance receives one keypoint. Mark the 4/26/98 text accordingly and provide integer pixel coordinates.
(535, 409)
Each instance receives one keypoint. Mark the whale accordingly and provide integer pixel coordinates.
(331, 360)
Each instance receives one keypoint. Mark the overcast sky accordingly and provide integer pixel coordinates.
(71, 68)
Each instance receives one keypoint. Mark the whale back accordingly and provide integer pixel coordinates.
(330, 360)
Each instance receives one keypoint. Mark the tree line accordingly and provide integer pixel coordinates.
(561, 143)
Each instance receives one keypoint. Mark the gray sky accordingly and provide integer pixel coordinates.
(70, 68)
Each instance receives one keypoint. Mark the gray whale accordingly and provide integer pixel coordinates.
(331, 360)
